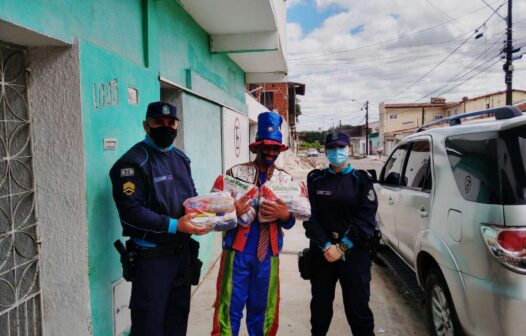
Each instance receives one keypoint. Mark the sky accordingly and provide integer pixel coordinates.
(348, 52)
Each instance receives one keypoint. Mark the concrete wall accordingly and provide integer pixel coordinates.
(59, 165)
(409, 117)
(483, 103)
(106, 114)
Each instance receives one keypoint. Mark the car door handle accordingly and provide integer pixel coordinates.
(423, 212)
(391, 202)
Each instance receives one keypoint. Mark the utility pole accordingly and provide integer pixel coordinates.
(366, 127)
(508, 66)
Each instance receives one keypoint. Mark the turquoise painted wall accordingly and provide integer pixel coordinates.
(202, 142)
(123, 122)
(157, 34)
(114, 25)
(184, 45)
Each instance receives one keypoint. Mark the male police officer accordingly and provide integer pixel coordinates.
(343, 205)
(150, 183)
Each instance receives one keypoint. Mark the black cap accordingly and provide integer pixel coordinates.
(337, 139)
(160, 109)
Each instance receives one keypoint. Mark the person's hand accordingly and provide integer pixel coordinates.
(243, 205)
(333, 253)
(185, 225)
(275, 210)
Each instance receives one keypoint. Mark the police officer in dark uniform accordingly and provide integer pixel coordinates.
(150, 183)
(344, 207)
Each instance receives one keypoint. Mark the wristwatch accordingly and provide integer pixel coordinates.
(343, 247)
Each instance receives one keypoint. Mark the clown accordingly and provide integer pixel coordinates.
(248, 274)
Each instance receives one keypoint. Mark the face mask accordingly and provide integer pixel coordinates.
(338, 156)
(163, 136)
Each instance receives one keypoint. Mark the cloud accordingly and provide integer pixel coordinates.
(387, 60)
(292, 3)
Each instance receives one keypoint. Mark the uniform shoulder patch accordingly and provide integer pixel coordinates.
(128, 188)
(127, 172)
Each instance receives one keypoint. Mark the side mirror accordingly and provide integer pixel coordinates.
(373, 174)
(393, 179)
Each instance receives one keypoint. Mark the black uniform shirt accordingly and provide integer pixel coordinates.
(149, 188)
(342, 204)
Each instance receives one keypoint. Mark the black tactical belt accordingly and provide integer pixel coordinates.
(161, 251)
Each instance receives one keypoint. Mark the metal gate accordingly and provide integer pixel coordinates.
(20, 299)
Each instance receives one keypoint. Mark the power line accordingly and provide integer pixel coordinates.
(456, 76)
(446, 58)
(478, 73)
(440, 10)
(388, 41)
(368, 57)
(494, 10)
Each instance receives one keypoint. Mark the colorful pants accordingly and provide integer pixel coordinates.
(244, 280)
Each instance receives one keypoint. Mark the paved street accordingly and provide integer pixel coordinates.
(395, 313)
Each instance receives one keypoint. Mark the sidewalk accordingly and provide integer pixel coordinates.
(394, 313)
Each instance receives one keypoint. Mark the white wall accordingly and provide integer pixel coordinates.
(60, 179)
(235, 138)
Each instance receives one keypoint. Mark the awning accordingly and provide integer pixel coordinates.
(251, 32)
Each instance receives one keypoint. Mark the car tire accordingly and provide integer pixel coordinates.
(441, 315)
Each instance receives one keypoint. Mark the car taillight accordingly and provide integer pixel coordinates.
(513, 241)
(508, 246)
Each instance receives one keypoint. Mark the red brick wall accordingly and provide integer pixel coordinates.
(280, 97)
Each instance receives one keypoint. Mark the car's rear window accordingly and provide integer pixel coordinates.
(474, 161)
(513, 165)
(490, 167)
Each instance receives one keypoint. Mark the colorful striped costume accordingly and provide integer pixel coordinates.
(243, 279)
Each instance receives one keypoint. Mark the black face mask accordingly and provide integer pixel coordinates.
(163, 136)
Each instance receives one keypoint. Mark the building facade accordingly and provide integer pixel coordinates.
(399, 120)
(77, 77)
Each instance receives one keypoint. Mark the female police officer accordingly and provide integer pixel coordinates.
(343, 205)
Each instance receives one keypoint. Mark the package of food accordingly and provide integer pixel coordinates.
(237, 189)
(293, 193)
(215, 210)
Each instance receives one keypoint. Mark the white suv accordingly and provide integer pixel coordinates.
(452, 207)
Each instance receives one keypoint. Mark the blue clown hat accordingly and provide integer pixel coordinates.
(269, 131)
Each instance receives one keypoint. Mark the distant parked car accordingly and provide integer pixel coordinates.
(313, 152)
(452, 209)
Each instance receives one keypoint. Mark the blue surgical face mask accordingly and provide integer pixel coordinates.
(338, 156)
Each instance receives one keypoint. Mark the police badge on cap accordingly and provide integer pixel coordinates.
(337, 139)
(161, 109)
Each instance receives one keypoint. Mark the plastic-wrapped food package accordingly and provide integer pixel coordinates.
(237, 189)
(215, 210)
(293, 193)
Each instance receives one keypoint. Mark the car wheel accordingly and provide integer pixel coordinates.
(440, 312)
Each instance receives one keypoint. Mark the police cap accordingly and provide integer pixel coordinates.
(160, 109)
(334, 139)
